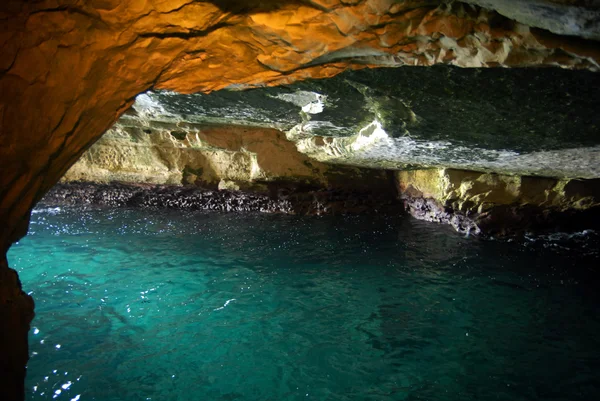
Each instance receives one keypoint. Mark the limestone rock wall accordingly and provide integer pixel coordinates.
(261, 160)
(497, 204)
(224, 157)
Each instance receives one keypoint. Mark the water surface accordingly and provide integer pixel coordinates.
(165, 305)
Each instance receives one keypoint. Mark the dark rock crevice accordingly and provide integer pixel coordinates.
(185, 34)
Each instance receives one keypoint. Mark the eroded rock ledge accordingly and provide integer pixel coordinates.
(150, 163)
(497, 205)
(488, 205)
(143, 162)
(532, 121)
(141, 150)
(307, 139)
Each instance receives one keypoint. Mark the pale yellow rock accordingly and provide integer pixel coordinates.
(224, 157)
(228, 185)
(470, 191)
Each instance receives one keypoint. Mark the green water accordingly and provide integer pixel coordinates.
(142, 305)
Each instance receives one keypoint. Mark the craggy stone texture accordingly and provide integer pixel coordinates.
(215, 167)
(558, 16)
(495, 204)
(279, 199)
(70, 68)
(138, 150)
(516, 121)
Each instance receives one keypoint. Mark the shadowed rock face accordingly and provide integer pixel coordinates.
(70, 68)
(519, 121)
(557, 16)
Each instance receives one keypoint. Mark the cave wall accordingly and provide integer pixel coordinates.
(16, 314)
(496, 204)
(70, 68)
(258, 160)
(212, 157)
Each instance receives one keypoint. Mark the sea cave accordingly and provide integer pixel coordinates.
(304, 199)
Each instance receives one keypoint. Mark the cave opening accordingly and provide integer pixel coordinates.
(210, 253)
(256, 221)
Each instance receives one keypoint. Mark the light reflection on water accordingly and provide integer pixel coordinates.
(137, 305)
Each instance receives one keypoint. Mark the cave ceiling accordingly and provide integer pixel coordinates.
(531, 121)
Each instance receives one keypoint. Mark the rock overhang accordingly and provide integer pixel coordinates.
(80, 64)
(525, 121)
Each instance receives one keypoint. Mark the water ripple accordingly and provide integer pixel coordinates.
(136, 305)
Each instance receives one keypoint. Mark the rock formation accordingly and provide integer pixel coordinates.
(474, 202)
(209, 156)
(252, 141)
(70, 68)
(77, 65)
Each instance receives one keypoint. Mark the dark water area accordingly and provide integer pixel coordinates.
(166, 305)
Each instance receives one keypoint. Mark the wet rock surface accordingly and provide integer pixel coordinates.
(497, 205)
(428, 209)
(280, 199)
(16, 314)
(505, 220)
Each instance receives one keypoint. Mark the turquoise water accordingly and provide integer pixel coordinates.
(143, 305)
